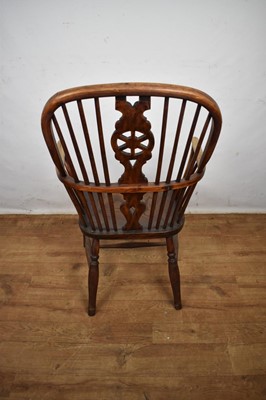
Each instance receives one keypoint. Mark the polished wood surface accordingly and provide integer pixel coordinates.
(137, 347)
(69, 129)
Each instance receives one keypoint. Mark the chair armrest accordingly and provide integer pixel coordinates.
(194, 158)
(61, 151)
(63, 157)
(195, 141)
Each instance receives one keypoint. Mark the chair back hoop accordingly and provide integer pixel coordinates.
(160, 155)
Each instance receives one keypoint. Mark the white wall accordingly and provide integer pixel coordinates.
(214, 45)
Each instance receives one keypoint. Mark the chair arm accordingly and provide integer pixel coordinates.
(63, 157)
(61, 151)
(195, 141)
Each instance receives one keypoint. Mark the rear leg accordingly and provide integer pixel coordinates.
(92, 252)
(172, 252)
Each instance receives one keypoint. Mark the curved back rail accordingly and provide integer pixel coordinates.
(160, 156)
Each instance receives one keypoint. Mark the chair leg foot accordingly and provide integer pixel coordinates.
(174, 272)
(92, 252)
(91, 312)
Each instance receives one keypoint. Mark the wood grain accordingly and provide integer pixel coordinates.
(137, 347)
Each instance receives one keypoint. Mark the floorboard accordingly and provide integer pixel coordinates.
(137, 346)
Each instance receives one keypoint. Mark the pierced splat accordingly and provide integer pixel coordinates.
(132, 208)
(132, 142)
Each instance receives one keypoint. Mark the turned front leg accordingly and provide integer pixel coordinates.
(172, 252)
(92, 251)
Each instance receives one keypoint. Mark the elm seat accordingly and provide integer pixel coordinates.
(130, 176)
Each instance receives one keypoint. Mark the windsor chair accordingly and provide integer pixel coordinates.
(160, 158)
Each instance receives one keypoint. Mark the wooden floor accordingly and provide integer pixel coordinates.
(137, 346)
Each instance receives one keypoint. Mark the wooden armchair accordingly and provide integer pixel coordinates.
(144, 194)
